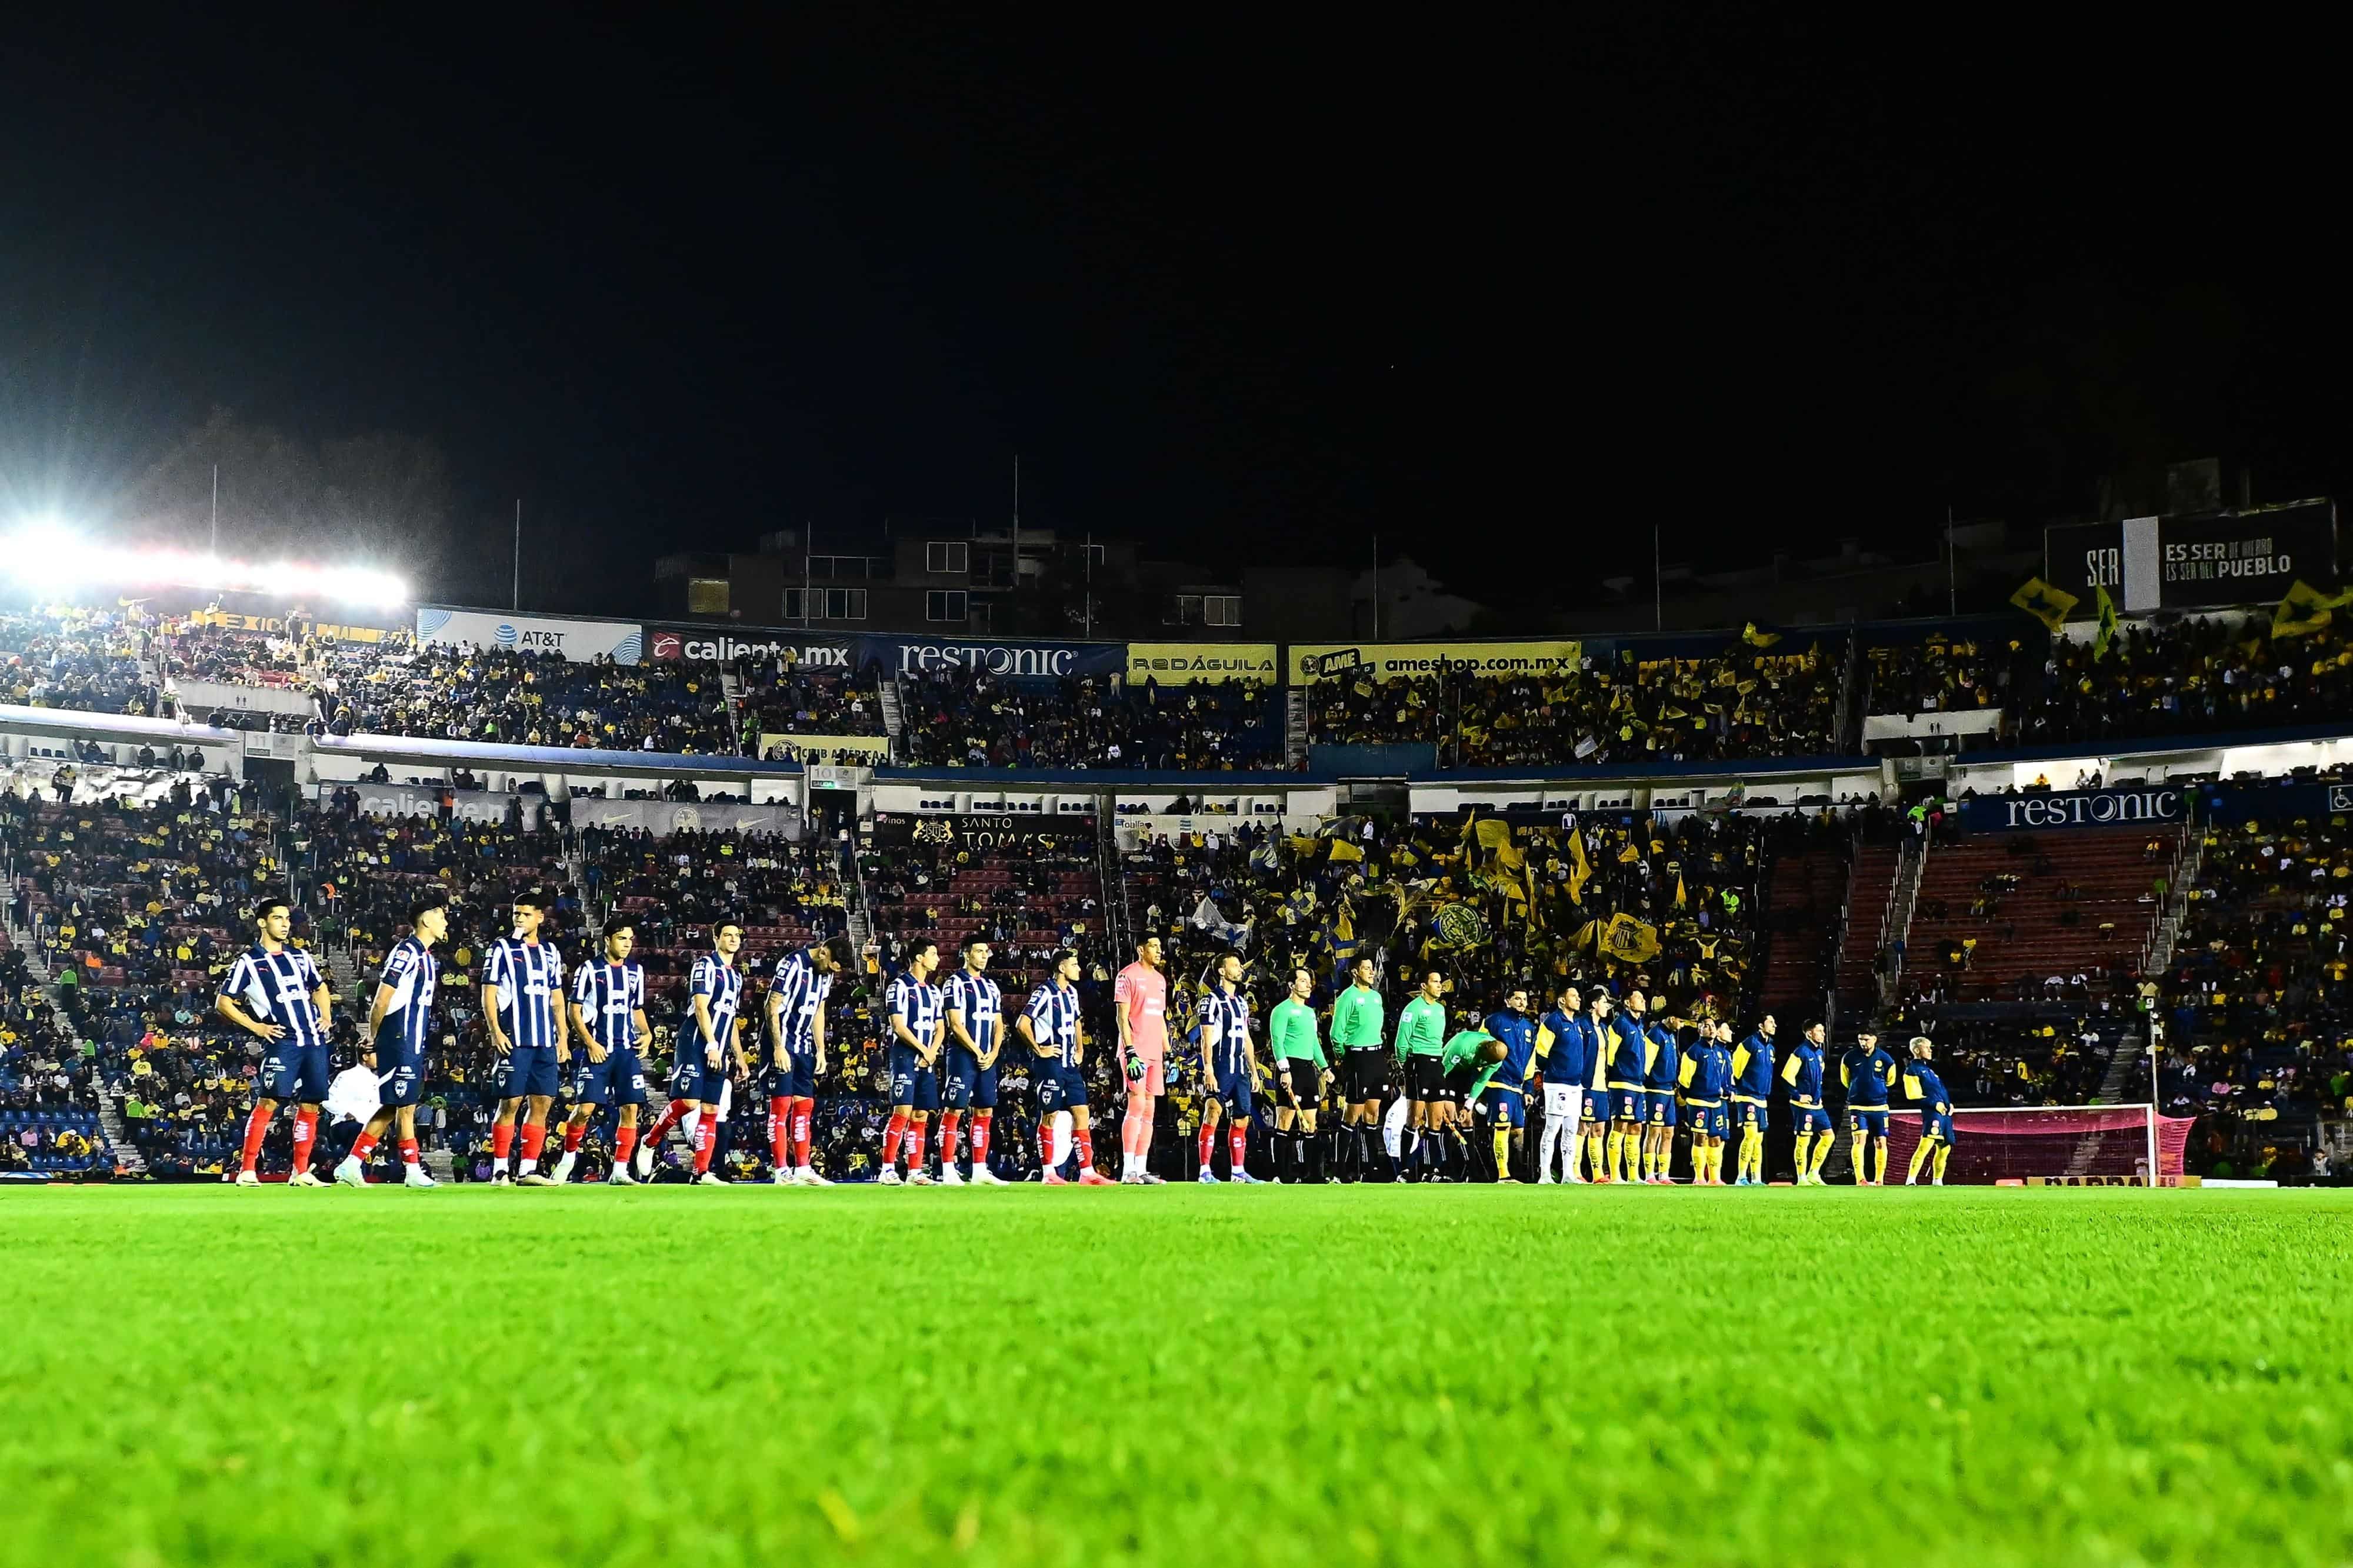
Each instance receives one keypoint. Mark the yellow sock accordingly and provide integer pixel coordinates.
(1944, 1153)
(1502, 1154)
(1862, 1153)
(1715, 1163)
(1593, 1155)
(1821, 1152)
(1919, 1158)
(1752, 1152)
(1879, 1161)
(1616, 1142)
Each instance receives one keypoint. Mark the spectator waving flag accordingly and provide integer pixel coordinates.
(2305, 610)
(2105, 608)
(2044, 602)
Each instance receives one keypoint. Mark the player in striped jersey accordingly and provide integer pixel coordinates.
(914, 1055)
(1229, 1073)
(608, 1018)
(1050, 1023)
(275, 993)
(523, 1003)
(398, 1024)
(796, 1015)
(710, 1047)
(975, 1018)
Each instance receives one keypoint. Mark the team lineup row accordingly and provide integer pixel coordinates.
(1616, 1078)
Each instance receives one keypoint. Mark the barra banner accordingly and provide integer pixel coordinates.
(295, 624)
(213, 695)
(930, 655)
(824, 749)
(2043, 811)
(801, 651)
(621, 641)
(1312, 662)
(982, 832)
(660, 818)
(1175, 663)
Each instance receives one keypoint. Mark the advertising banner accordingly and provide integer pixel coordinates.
(1312, 662)
(1175, 663)
(1010, 660)
(983, 832)
(2250, 559)
(471, 804)
(2045, 811)
(872, 749)
(819, 654)
(621, 641)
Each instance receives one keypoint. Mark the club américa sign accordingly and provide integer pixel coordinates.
(2048, 811)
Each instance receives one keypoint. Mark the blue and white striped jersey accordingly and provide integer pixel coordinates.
(916, 1004)
(1053, 1014)
(801, 991)
(976, 996)
(529, 978)
(275, 988)
(1225, 1030)
(722, 983)
(609, 996)
(411, 972)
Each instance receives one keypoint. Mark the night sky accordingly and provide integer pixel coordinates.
(1481, 284)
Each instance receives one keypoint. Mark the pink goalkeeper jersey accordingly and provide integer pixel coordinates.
(1140, 993)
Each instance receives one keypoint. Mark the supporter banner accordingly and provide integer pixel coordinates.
(975, 832)
(874, 748)
(2250, 559)
(211, 695)
(664, 817)
(1312, 662)
(665, 644)
(621, 641)
(294, 624)
(926, 656)
(2051, 810)
(1926, 725)
(1175, 663)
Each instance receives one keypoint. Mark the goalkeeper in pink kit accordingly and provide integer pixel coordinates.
(1140, 1000)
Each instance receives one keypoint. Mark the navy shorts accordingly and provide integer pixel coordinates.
(1936, 1124)
(295, 1073)
(1662, 1103)
(529, 1070)
(1060, 1088)
(912, 1083)
(618, 1079)
(399, 1079)
(1626, 1104)
(792, 1075)
(1749, 1113)
(965, 1084)
(693, 1078)
(1237, 1093)
(1805, 1119)
(1871, 1119)
(1710, 1120)
(1504, 1106)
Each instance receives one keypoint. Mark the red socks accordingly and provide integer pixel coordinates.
(803, 1109)
(981, 1120)
(1086, 1137)
(948, 1139)
(916, 1128)
(306, 1127)
(534, 1139)
(408, 1155)
(1238, 1146)
(672, 1114)
(501, 1142)
(892, 1134)
(257, 1128)
(625, 1143)
(780, 1132)
(572, 1133)
(363, 1146)
(1207, 1141)
(706, 1140)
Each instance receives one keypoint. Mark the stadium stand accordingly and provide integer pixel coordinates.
(960, 720)
(2055, 916)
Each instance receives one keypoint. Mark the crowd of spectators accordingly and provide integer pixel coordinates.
(782, 699)
(1945, 674)
(529, 698)
(956, 719)
(63, 656)
(2190, 677)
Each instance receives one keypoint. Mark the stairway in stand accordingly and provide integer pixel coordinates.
(1802, 911)
(1874, 879)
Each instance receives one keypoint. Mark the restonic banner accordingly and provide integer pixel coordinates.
(1312, 662)
(2044, 811)
(621, 641)
(1011, 660)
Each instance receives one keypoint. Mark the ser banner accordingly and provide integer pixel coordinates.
(623, 642)
(1178, 663)
(1312, 662)
(2048, 811)
(2189, 564)
(980, 833)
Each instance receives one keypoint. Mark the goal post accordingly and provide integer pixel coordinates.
(2018, 1143)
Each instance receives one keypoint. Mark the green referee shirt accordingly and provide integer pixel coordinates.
(1357, 1017)
(1464, 1050)
(1421, 1029)
(1291, 1033)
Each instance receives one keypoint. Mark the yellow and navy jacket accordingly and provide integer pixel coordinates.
(1518, 1032)
(1629, 1052)
(1565, 1049)
(1866, 1075)
(1752, 1071)
(1921, 1082)
(1666, 1060)
(1803, 1073)
(1706, 1074)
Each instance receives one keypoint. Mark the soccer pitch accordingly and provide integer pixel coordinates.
(1325, 1375)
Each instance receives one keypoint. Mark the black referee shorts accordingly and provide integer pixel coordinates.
(1364, 1074)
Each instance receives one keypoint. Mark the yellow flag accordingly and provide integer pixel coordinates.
(2105, 608)
(1343, 850)
(1628, 940)
(1680, 901)
(1580, 871)
(1756, 635)
(2305, 610)
(2044, 602)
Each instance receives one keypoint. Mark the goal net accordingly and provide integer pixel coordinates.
(2052, 1141)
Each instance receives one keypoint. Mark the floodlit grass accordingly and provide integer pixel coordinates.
(1325, 1376)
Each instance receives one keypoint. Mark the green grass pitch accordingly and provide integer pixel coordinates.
(1325, 1376)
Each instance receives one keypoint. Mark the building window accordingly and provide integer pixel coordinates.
(947, 559)
(706, 595)
(1222, 610)
(945, 605)
(825, 604)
